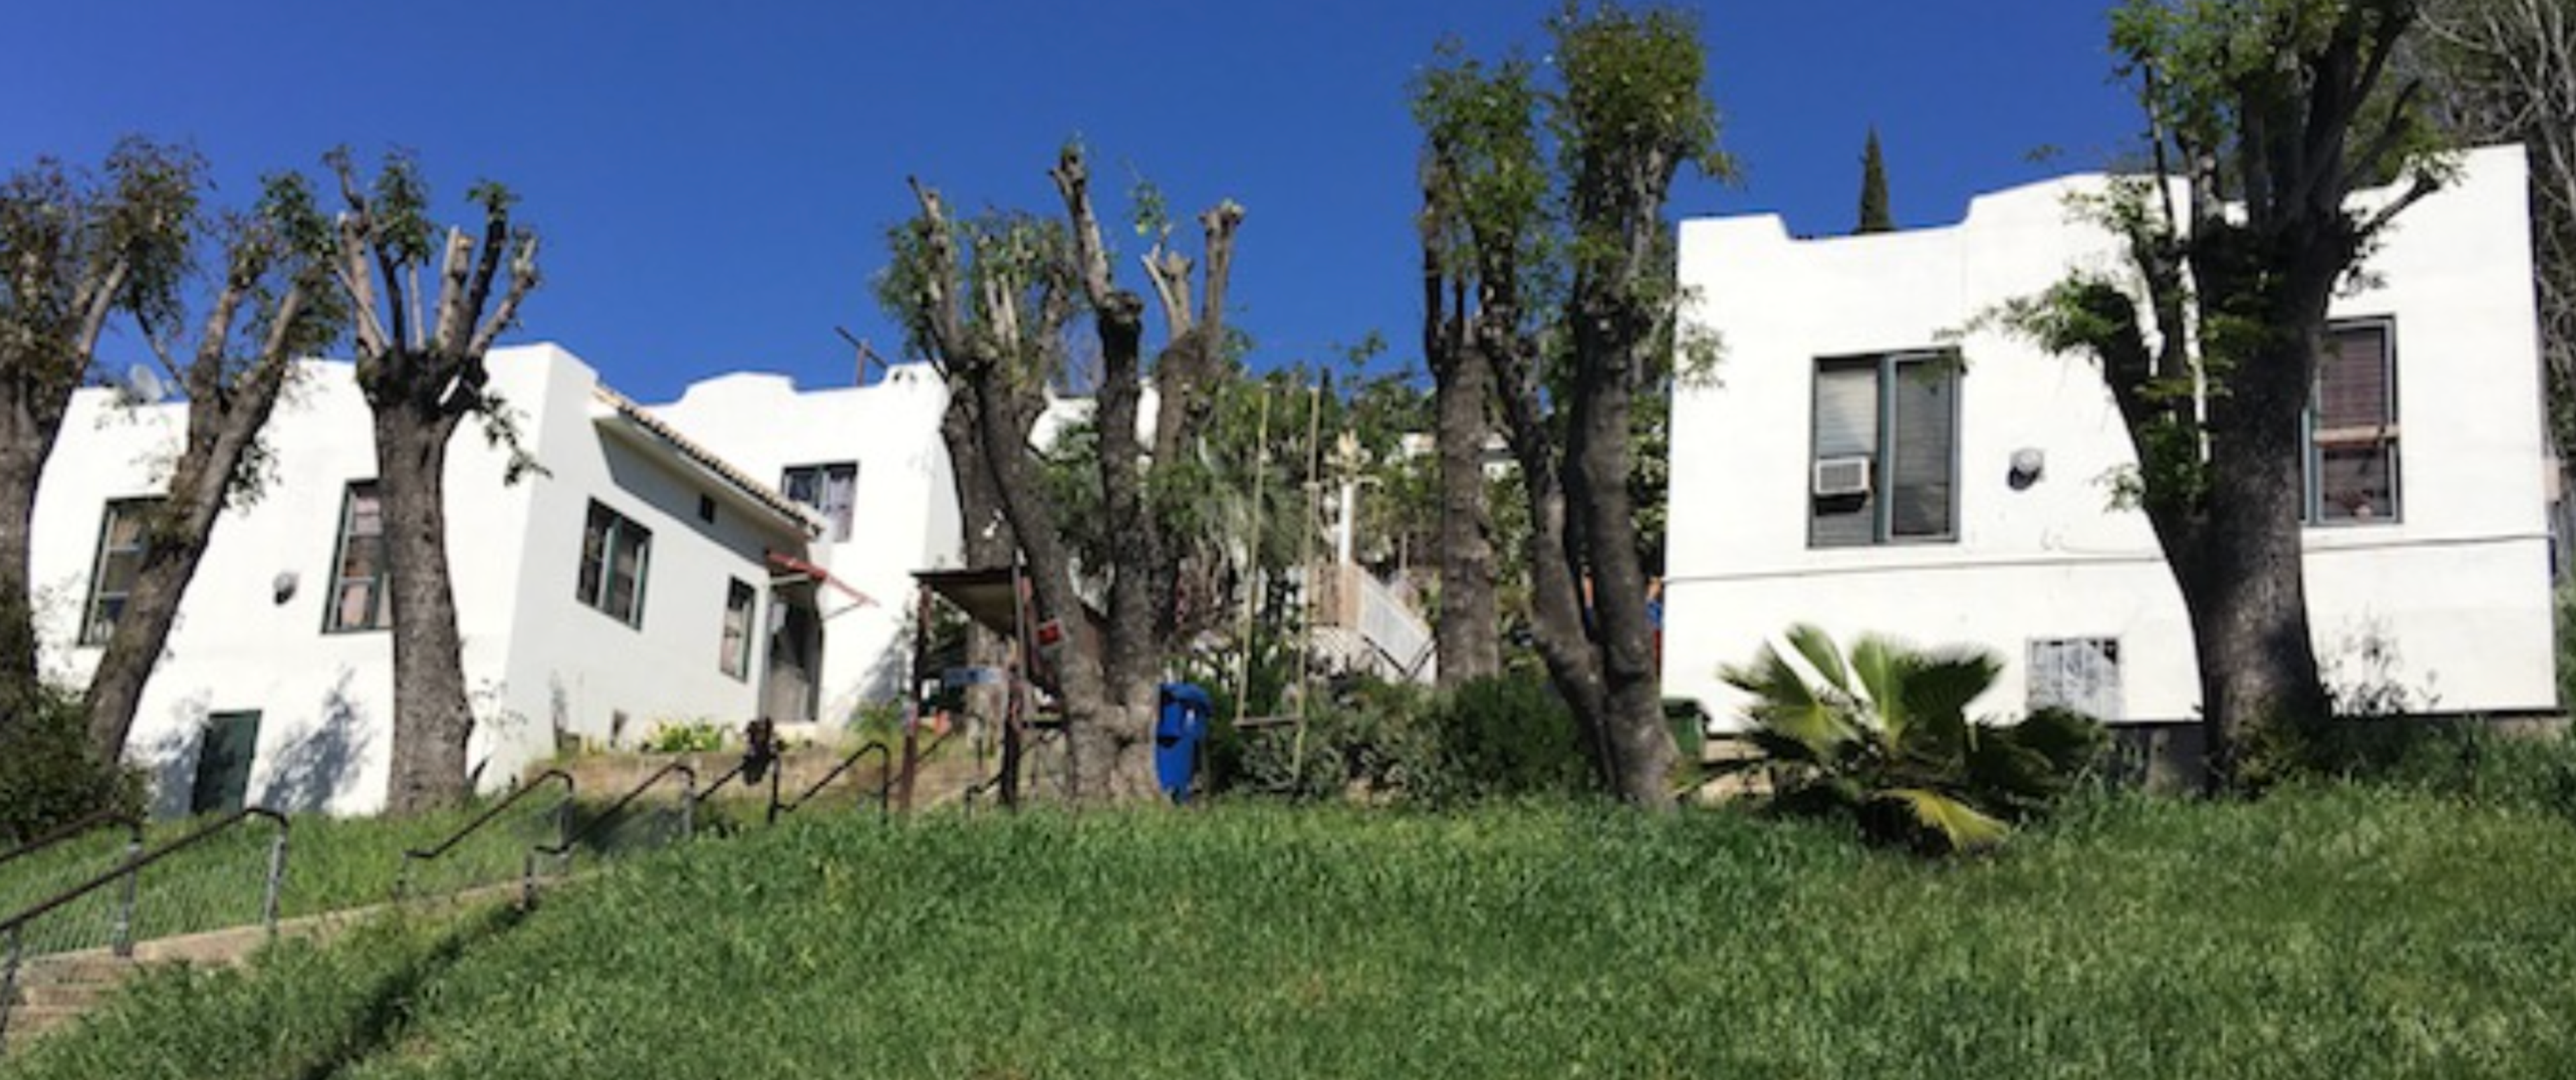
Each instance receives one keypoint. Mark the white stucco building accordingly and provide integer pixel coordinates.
(1841, 471)
(739, 553)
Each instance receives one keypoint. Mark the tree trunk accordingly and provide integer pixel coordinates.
(224, 423)
(1641, 745)
(1133, 652)
(1470, 628)
(1108, 748)
(2245, 586)
(1556, 594)
(27, 433)
(432, 721)
(987, 543)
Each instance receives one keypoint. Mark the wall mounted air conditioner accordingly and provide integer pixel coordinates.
(1838, 477)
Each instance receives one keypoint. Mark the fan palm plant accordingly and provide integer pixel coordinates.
(1884, 735)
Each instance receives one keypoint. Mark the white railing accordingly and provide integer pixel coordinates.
(1392, 640)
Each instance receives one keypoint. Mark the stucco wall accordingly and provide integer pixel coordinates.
(325, 734)
(904, 516)
(2456, 592)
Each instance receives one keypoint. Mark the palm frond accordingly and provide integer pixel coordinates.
(1960, 827)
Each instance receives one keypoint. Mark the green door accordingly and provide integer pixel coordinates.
(224, 755)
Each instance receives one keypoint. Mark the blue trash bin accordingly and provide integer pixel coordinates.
(1178, 729)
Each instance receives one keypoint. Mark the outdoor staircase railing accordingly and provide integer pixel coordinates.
(79, 828)
(128, 873)
(885, 784)
(561, 850)
(528, 871)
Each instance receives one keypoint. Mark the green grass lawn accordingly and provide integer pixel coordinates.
(2341, 934)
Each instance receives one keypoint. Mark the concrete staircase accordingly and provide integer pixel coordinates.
(57, 990)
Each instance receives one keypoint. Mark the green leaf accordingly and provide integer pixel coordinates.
(1961, 827)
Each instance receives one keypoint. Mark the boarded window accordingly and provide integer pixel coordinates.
(2082, 674)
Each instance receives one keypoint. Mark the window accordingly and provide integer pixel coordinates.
(614, 553)
(360, 598)
(2082, 674)
(829, 489)
(1884, 467)
(735, 657)
(123, 539)
(2352, 428)
(225, 751)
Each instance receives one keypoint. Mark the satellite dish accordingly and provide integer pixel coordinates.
(145, 385)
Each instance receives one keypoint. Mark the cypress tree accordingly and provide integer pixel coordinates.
(1874, 217)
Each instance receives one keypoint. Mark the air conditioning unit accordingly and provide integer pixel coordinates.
(1841, 476)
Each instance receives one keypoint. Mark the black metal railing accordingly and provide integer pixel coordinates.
(79, 828)
(562, 849)
(128, 873)
(527, 889)
(885, 784)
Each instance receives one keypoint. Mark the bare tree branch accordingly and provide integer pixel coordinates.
(523, 277)
(1091, 260)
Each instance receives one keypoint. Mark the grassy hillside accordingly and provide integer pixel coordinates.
(2341, 934)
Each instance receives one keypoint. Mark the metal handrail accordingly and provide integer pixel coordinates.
(688, 809)
(563, 825)
(1045, 734)
(130, 870)
(885, 786)
(79, 827)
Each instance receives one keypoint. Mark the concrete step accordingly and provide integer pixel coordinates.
(73, 996)
(76, 969)
(29, 1021)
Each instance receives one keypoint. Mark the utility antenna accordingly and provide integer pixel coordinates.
(867, 355)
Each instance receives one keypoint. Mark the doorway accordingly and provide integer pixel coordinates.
(225, 751)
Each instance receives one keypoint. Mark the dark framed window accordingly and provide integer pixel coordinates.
(734, 657)
(1883, 465)
(615, 554)
(361, 592)
(832, 490)
(124, 538)
(2352, 427)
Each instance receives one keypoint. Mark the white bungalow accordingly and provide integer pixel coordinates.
(641, 578)
(1839, 470)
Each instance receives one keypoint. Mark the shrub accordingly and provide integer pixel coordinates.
(47, 774)
(1885, 739)
(1364, 735)
(1505, 736)
(686, 737)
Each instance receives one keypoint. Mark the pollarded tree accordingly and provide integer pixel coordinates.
(2264, 116)
(972, 315)
(74, 249)
(274, 302)
(1481, 169)
(1629, 113)
(420, 367)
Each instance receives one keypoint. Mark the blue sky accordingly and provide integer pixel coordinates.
(713, 181)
